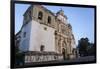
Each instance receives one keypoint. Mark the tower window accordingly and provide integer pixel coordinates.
(42, 48)
(40, 15)
(24, 34)
(49, 19)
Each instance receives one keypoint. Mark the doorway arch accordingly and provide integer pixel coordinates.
(64, 49)
(63, 53)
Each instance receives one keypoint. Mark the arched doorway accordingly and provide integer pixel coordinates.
(64, 49)
(63, 52)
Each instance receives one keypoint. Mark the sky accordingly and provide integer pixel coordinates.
(81, 19)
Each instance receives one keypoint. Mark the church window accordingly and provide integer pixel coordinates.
(42, 48)
(45, 28)
(24, 34)
(40, 15)
(55, 32)
(49, 19)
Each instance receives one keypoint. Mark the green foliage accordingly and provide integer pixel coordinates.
(19, 56)
(85, 47)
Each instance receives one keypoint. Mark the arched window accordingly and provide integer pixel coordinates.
(40, 15)
(49, 19)
(42, 48)
(55, 33)
(24, 34)
(63, 52)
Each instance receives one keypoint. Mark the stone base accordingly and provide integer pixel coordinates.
(72, 56)
(36, 56)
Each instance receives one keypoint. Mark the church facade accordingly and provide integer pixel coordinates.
(45, 36)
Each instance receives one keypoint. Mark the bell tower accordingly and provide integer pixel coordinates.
(60, 16)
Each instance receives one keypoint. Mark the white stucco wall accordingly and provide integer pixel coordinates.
(24, 44)
(39, 37)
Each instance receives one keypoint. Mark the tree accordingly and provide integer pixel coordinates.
(86, 48)
(19, 56)
(91, 49)
(83, 46)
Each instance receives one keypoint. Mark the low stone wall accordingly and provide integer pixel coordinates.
(42, 56)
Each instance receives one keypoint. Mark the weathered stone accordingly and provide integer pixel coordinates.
(62, 42)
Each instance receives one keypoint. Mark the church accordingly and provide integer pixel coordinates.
(45, 36)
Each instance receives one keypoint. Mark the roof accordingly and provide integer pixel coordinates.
(41, 6)
(28, 9)
(18, 32)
